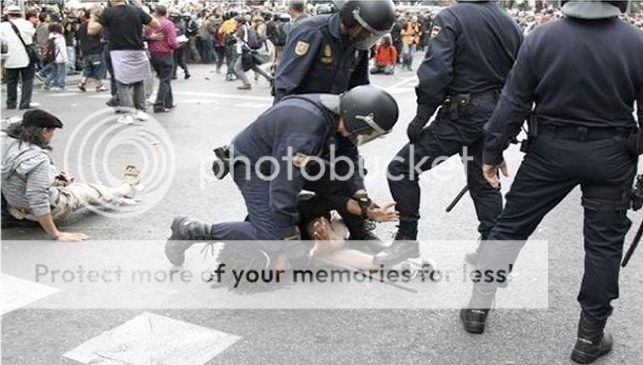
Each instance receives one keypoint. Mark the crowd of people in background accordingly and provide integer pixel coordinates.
(249, 38)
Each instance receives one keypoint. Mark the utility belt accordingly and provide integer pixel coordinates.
(633, 136)
(459, 105)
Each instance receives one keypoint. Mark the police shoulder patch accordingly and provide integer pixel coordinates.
(300, 160)
(301, 48)
(435, 31)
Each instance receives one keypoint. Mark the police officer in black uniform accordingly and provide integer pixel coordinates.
(291, 133)
(471, 49)
(584, 102)
(329, 53)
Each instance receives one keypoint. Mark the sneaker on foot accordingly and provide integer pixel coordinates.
(125, 119)
(141, 115)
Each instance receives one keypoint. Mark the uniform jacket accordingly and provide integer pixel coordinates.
(471, 49)
(298, 127)
(571, 81)
(317, 59)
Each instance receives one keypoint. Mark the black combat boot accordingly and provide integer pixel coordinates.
(404, 247)
(184, 232)
(475, 315)
(474, 320)
(591, 343)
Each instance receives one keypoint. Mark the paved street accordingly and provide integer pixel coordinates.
(210, 112)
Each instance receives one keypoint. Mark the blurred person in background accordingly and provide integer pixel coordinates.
(58, 47)
(385, 57)
(91, 50)
(162, 45)
(127, 52)
(18, 34)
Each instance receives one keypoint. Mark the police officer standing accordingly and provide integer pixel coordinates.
(473, 46)
(271, 165)
(584, 102)
(329, 53)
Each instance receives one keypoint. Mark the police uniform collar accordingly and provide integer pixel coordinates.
(588, 9)
(334, 26)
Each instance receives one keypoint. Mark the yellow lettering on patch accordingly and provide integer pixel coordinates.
(301, 48)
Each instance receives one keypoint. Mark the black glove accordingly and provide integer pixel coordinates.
(415, 128)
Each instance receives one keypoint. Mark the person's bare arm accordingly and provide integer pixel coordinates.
(47, 223)
(155, 24)
(94, 27)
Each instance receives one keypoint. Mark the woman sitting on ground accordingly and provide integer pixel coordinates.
(33, 187)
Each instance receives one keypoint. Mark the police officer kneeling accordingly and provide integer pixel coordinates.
(287, 135)
(584, 98)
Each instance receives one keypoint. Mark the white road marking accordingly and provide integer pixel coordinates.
(403, 82)
(266, 99)
(17, 293)
(153, 339)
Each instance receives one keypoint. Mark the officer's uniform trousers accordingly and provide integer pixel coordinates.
(554, 165)
(445, 137)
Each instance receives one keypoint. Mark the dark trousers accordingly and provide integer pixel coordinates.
(259, 225)
(221, 56)
(554, 166)
(179, 60)
(231, 58)
(163, 65)
(24, 76)
(107, 59)
(442, 139)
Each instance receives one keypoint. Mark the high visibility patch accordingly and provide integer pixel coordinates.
(301, 48)
(300, 160)
(435, 31)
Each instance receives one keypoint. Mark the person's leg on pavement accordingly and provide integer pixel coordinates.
(50, 81)
(13, 76)
(487, 200)
(241, 74)
(26, 79)
(61, 75)
(71, 60)
(138, 96)
(439, 141)
(258, 69)
(163, 66)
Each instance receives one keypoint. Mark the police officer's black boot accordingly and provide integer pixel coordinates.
(404, 247)
(475, 315)
(184, 232)
(592, 343)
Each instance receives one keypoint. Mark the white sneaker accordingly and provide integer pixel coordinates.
(141, 115)
(125, 119)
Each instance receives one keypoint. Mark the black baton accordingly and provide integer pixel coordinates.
(457, 198)
(633, 246)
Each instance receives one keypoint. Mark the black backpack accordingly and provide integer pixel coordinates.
(49, 51)
(253, 39)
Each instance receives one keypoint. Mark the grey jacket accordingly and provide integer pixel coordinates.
(28, 175)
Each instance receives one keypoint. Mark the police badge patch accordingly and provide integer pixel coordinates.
(301, 48)
(435, 31)
(300, 160)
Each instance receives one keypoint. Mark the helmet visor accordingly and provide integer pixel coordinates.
(363, 36)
